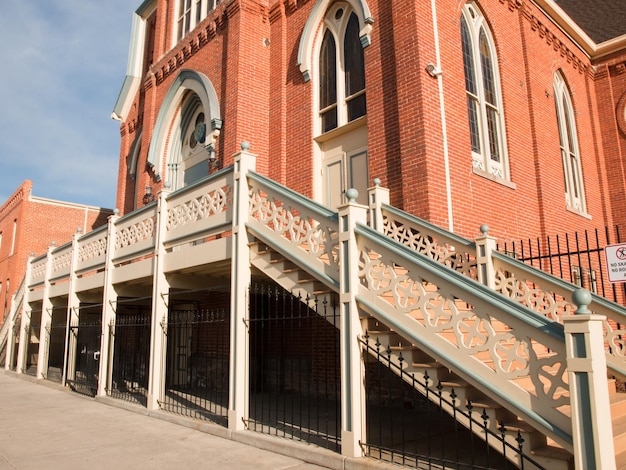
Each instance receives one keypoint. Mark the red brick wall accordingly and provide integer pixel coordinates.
(38, 222)
(250, 57)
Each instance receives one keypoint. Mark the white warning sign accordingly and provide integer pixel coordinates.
(616, 262)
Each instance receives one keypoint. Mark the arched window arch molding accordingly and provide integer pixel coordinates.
(315, 21)
(187, 80)
(133, 156)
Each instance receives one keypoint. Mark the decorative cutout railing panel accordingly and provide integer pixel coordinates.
(422, 237)
(551, 297)
(200, 210)
(305, 231)
(92, 248)
(518, 361)
(61, 261)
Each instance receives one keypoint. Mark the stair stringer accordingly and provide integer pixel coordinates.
(445, 389)
(392, 280)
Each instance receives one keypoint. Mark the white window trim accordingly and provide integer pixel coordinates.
(205, 6)
(571, 173)
(483, 162)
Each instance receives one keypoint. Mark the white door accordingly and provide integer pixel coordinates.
(342, 171)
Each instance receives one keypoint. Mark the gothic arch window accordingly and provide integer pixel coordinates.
(570, 154)
(188, 122)
(341, 69)
(484, 99)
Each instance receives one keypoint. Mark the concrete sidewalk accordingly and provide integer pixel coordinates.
(47, 427)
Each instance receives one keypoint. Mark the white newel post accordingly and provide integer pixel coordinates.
(485, 246)
(160, 297)
(377, 196)
(46, 319)
(592, 432)
(352, 368)
(240, 280)
(109, 298)
(71, 319)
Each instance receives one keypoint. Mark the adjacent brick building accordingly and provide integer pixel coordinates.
(29, 225)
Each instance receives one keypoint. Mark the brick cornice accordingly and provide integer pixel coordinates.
(17, 197)
(544, 31)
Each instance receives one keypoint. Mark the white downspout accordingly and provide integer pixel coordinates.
(442, 108)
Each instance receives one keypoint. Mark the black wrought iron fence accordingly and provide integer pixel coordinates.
(198, 348)
(32, 352)
(577, 258)
(294, 366)
(16, 342)
(130, 336)
(410, 423)
(87, 333)
(56, 338)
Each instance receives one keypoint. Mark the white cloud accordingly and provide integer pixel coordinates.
(63, 63)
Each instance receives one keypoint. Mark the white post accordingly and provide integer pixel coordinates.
(10, 340)
(240, 281)
(352, 368)
(485, 246)
(109, 296)
(592, 433)
(10, 355)
(377, 196)
(71, 319)
(46, 319)
(160, 298)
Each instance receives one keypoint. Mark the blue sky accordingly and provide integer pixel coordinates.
(63, 64)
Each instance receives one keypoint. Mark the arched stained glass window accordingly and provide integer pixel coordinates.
(484, 101)
(341, 70)
(570, 154)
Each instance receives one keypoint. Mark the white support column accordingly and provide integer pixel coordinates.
(240, 281)
(46, 317)
(160, 298)
(377, 196)
(485, 246)
(352, 367)
(592, 433)
(11, 336)
(109, 297)
(10, 341)
(73, 304)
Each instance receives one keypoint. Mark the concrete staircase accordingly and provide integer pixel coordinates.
(444, 381)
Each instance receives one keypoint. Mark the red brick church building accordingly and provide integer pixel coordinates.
(312, 196)
(505, 113)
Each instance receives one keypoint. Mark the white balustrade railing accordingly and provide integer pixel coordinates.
(134, 234)
(517, 359)
(536, 290)
(304, 230)
(552, 297)
(200, 210)
(38, 271)
(61, 259)
(92, 248)
(429, 240)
